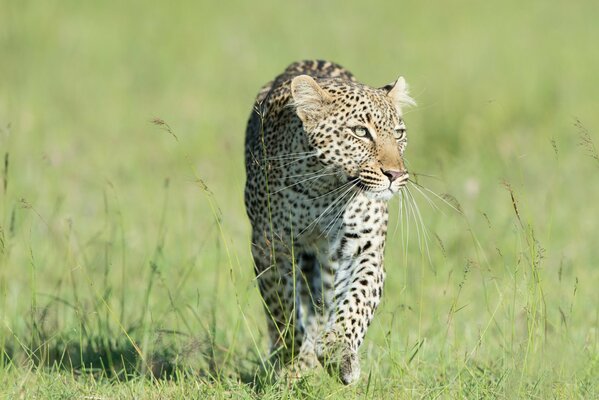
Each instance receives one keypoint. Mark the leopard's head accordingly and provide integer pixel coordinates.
(356, 129)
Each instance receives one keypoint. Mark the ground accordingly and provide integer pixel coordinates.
(125, 267)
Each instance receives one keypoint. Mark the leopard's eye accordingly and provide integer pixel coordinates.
(360, 131)
(399, 133)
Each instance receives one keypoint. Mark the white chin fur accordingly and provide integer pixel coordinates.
(381, 195)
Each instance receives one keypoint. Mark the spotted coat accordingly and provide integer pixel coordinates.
(323, 155)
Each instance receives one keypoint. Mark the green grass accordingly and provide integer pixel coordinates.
(125, 269)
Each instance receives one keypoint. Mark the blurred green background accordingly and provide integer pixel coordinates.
(106, 231)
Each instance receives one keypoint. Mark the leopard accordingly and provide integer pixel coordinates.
(324, 154)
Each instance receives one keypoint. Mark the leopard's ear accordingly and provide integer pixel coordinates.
(400, 94)
(309, 99)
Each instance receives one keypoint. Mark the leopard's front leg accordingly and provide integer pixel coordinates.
(357, 257)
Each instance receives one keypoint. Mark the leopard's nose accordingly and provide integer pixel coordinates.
(394, 174)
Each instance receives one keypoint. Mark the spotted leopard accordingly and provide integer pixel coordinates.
(323, 154)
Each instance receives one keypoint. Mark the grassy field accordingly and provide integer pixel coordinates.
(125, 267)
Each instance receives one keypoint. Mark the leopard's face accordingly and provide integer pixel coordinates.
(357, 130)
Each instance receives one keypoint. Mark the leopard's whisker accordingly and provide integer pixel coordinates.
(411, 208)
(302, 181)
(417, 174)
(400, 215)
(335, 201)
(423, 237)
(439, 197)
(430, 202)
(294, 161)
(407, 217)
(291, 155)
(309, 186)
(309, 173)
(407, 238)
(330, 207)
(285, 160)
(426, 237)
(416, 213)
(336, 189)
(274, 164)
(399, 200)
(329, 228)
(331, 224)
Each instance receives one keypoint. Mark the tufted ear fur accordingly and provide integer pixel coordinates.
(309, 99)
(400, 94)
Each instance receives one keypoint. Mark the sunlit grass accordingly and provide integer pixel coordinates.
(125, 266)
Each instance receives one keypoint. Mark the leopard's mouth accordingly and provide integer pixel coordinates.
(373, 192)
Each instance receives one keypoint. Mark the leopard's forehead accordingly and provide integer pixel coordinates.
(361, 103)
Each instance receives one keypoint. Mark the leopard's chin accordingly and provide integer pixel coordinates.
(385, 194)
(374, 193)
